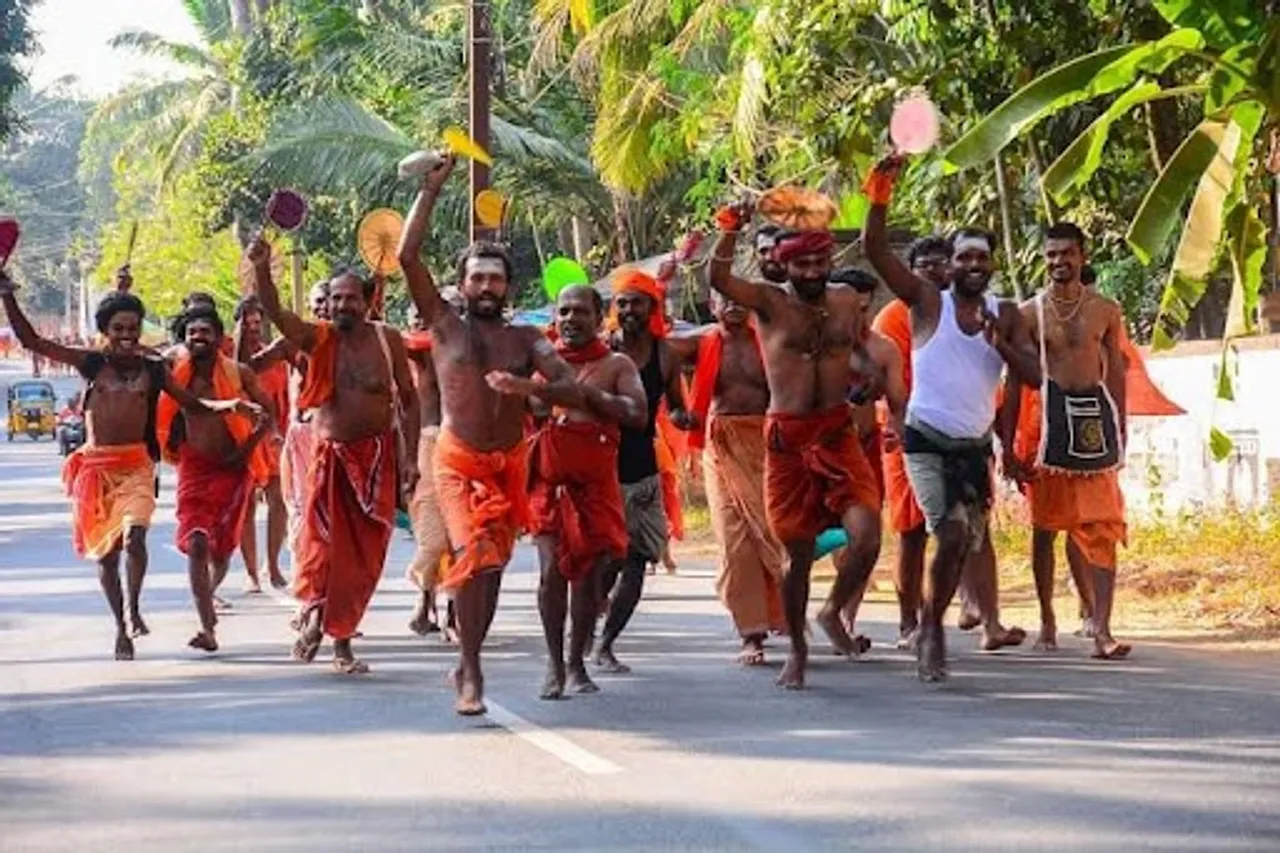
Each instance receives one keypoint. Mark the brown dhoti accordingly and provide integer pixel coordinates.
(751, 558)
(424, 514)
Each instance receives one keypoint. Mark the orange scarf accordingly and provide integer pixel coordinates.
(710, 352)
(226, 386)
(322, 365)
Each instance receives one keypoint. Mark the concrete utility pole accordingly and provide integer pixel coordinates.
(479, 62)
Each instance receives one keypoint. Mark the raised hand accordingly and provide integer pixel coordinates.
(434, 179)
(7, 287)
(259, 252)
(508, 383)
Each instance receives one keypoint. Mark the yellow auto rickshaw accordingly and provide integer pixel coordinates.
(31, 409)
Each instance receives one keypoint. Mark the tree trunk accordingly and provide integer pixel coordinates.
(262, 7)
(241, 23)
(582, 242)
(621, 232)
(1162, 130)
(1006, 226)
(1051, 212)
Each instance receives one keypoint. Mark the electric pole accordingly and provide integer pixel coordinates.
(479, 62)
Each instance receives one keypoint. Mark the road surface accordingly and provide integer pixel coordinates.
(1172, 750)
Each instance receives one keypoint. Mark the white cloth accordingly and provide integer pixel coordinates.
(955, 377)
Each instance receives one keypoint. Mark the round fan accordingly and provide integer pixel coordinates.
(914, 125)
(286, 210)
(457, 141)
(490, 206)
(797, 208)
(378, 239)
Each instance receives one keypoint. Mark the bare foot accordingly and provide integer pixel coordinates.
(908, 639)
(347, 665)
(969, 619)
(310, 636)
(422, 622)
(470, 702)
(580, 682)
(752, 653)
(137, 628)
(1087, 630)
(1002, 638)
(1106, 648)
(607, 662)
(278, 580)
(553, 684)
(252, 587)
(792, 677)
(830, 621)
(124, 646)
(222, 604)
(931, 656)
(1048, 639)
(204, 641)
(669, 562)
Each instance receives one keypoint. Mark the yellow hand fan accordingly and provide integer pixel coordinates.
(378, 239)
(490, 205)
(457, 141)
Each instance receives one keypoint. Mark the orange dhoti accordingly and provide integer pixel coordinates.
(666, 447)
(112, 489)
(483, 499)
(424, 514)
(1089, 508)
(575, 496)
(212, 499)
(904, 512)
(751, 559)
(349, 517)
(815, 470)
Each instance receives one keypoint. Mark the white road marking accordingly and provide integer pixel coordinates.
(562, 748)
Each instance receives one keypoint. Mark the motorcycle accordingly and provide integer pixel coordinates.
(70, 433)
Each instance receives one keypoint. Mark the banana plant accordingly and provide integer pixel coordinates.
(1234, 47)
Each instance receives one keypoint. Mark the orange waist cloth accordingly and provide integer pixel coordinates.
(668, 448)
(274, 382)
(1088, 508)
(904, 512)
(112, 489)
(894, 322)
(703, 388)
(349, 516)
(574, 494)
(226, 386)
(815, 470)
(484, 501)
(212, 499)
(322, 365)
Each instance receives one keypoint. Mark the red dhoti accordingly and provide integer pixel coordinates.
(212, 499)
(575, 495)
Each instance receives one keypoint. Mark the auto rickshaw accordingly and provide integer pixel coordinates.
(32, 409)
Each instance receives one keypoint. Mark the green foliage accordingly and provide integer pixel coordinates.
(16, 42)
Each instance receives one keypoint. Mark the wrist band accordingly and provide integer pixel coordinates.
(728, 219)
(878, 188)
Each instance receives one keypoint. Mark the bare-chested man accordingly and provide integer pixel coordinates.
(576, 499)
(424, 509)
(111, 479)
(1074, 485)
(730, 396)
(639, 308)
(273, 379)
(481, 461)
(962, 339)
(219, 461)
(816, 475)
(357, 374)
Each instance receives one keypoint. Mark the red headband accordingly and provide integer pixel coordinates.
(804, 243)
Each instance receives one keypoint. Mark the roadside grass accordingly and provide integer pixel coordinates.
(1208, 576)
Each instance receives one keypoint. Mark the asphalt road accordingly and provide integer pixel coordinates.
(1170, 751)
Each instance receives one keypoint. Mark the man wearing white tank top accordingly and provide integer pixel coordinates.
(962, 339)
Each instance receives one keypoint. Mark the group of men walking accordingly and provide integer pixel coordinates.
(807, 420)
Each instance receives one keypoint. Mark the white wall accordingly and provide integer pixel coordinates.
(1169, 466)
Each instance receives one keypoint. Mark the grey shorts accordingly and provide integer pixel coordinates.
(646, 518)
(928, 475)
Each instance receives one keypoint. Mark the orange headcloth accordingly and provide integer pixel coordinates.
(636, 281)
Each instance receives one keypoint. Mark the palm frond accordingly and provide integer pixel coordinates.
(150, 44)
(748, 113)
(552, 23)
(703, 26)
(334, 144)
(627, 31)
(186, 145)
(622, 148)
(211, 17)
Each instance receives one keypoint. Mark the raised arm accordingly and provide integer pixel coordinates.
(908, 287)
(298, 331)
(422, 289)
(191, 403)
(562, 388)
(1009, 334)
(750, 294)
(27, 335)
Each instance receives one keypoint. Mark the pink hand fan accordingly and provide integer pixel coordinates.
(9, 233)
(286, 210)
(914, 126)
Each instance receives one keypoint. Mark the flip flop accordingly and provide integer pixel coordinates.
(1119, 651)
(354, 666)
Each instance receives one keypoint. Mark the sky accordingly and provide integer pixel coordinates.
(73, 38)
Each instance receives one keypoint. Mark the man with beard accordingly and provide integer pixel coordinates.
(575, 497)
(816, 475)
(219, 461)
(111, 479)
(767, 237)
(424, 509)
(962, 339)
(481, 463)
(1074, 484)
(730, 396)
(273, 379)
(357, 373)
(638, 312)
